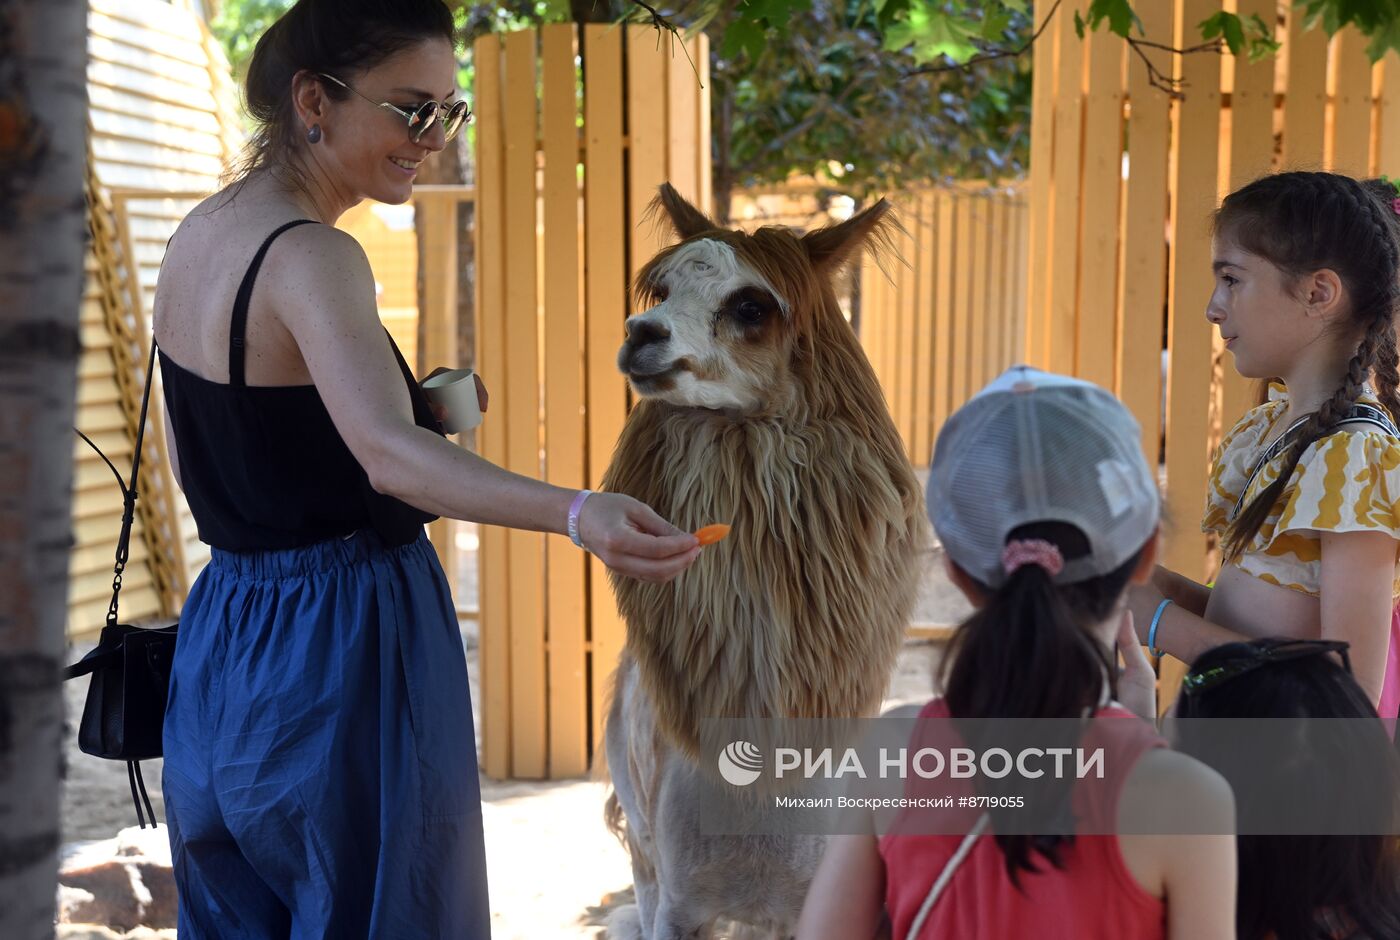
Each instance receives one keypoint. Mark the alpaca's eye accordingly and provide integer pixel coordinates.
(749, 312)
(659, 293)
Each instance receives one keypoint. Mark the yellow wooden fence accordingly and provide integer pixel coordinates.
(947, 314)
(560, 232)
(1123, 184)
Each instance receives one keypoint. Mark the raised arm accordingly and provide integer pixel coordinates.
(324, 295)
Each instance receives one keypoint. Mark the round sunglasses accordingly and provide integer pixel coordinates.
(424, 116)
(1261, 655)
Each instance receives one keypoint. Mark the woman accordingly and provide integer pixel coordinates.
(320, 773)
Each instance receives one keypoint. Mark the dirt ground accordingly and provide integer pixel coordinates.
(554, 870)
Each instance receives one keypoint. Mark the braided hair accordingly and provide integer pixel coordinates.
(1302, 223)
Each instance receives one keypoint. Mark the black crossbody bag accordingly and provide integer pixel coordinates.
(130, 666)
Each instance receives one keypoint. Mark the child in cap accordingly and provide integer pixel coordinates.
(1304, 490)
(1047, 511)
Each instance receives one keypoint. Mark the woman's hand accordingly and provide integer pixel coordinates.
(1137, 682)
(440, 411)
(633, 540)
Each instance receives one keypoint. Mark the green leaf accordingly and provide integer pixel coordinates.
(1119, 14)
(1384, 40)
(1227, 25)
(928, 32)
(995, 25)
(742, 36)
(1078, 24)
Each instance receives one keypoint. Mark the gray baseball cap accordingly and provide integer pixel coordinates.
(1038, 447)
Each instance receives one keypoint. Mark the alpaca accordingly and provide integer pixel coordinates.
(757, 408)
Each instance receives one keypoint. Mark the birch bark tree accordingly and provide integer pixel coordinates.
(43, 114)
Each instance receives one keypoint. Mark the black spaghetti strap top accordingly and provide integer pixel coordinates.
(263, 467)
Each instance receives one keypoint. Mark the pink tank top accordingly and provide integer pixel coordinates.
(1093, 897)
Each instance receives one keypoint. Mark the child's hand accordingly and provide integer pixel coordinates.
(1137, 682)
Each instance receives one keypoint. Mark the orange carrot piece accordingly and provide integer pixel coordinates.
(711, 534)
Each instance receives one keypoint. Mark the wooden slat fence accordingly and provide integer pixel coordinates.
(947, 314)
(1123, 184)
(560, 232)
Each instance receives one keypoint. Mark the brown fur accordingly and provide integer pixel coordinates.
(800, 611)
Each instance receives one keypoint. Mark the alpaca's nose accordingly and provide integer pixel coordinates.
(641, 332)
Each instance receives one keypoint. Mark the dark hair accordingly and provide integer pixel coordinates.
(1296, 887)
(1302, 223)
(1027, 654)
(338, 37)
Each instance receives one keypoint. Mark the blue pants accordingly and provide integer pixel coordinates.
(320, 761)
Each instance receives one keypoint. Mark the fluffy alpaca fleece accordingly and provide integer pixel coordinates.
(801, 610)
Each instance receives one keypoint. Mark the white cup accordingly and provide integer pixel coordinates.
(455, 390)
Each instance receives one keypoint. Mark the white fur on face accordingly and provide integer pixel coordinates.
(697, 278)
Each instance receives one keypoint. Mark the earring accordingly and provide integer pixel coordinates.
(313, 136)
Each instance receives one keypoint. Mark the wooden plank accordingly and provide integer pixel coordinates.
(1103, 177)
(1349, 148)
(961, 344)
(155, 88)
(1251, 156)
(944, 277)
(179, 117)
(1189, 380)
(998, 322)
(903, 334)
(700, 53)
(872, 320)
(188, 50)
(978, 314)
(109, 151)
(493, 558)
(1142, 283)
(680, 84)
(115, 126)
(924, 351)
(648, 132)
(1305, 96)
(1040, 273)
(1066, 209)
(566, 567)
(527, 659)
(151, 15)
(1388, 131)
(606, 300)
(141, 58)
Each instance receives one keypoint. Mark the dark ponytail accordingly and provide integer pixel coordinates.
(1027, 654)
(1305, 222)
(338, 37)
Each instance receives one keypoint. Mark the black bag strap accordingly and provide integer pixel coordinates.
(128, 490)
(1358, 413)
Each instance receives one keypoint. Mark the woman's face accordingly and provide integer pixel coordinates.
(366, 148)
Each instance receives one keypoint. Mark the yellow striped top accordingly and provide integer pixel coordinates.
(1346, 481)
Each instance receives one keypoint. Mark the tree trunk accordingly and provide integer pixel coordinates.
(43, 55)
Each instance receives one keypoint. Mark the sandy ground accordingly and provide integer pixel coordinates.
(554, 869)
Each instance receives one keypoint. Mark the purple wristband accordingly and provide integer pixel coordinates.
(574, 510)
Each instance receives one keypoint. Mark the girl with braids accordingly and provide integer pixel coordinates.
(1048, 512)
(1304, 490)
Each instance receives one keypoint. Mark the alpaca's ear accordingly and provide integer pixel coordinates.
(687, 220)
(831, 247)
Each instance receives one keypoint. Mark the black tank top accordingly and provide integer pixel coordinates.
(263, 467)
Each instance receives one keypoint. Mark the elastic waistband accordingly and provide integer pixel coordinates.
(361, 546)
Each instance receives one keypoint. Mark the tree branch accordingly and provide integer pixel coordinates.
(1155, 76)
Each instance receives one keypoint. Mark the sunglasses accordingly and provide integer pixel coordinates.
(424, 116)
(1197, 682)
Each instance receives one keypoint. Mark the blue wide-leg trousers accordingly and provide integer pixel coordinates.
(320, 774)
